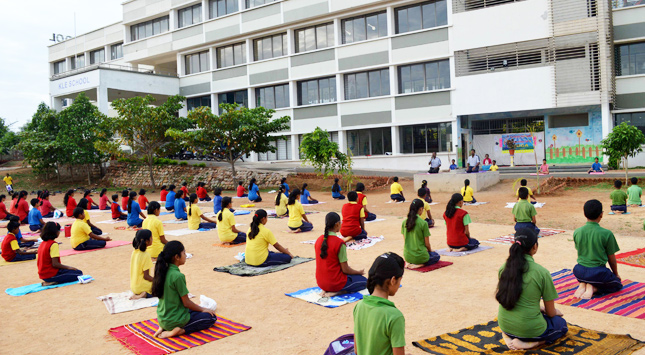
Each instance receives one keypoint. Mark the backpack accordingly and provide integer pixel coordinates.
(342, 346)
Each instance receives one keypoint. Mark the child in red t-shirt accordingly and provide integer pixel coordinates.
(11, 250)
(4, 214)
(104, 200)
(457, 221)
(202, 194)
(184, 188)
(241, 190)
(163, 193)
(125, 196)
(353, 226)
(91, 205)
(143, 200)
(116, 211)
(50, 270)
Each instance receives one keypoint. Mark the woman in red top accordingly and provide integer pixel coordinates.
(125, 196)
(333, 274)
(202, 193)
(91, 205)
(46, 209)
(457, 221)
(22, 207)
(143, 200)
(69, 202)
(50, 270)
(3, 209)
(163, 193)
(104, 201)
(353, 219)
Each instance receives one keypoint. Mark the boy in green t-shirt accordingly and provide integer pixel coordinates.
(524, 212)
(634, 193)
(618, 198)
(596, 246)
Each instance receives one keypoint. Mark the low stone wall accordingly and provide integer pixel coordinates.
(552, 184)
(454, 180)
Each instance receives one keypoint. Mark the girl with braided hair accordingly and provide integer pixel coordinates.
(257, 244)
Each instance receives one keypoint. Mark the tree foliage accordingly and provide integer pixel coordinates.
(325, 157)
(38, 141)
(8, 139)
(236, 132)
(624, 141)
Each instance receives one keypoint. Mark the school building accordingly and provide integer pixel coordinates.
(392, 81)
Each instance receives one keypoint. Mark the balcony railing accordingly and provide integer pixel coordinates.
(621, 4)
(110, 67)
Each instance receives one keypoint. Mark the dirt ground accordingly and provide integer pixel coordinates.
(70, 320)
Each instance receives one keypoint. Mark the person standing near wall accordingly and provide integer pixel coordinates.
(435, 164)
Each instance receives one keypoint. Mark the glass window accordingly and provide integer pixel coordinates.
(317, 91)
(254, 3)
(149, 28)
(217, 8)
(633, 118)
(197, 62)
(97, 56)
(630, 59)
(315, 37)
(234, 54)
(238, 97)
(376, 141)
(424, 77)
(365, 27)
(367, 84)
(195, 102)
(116, 51)
(272, 97)
(426, 138)
(190, 15)
(270, 47)
(59, 67)
(425, 15)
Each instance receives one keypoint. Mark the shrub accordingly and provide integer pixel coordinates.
(183, 163)
(201, 165)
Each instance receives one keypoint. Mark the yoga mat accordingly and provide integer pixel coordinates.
(632, 258)
(3, 262)
(510, 238)
(243, 269)
(376, 220)
(59, 220)
(222, 245)
(597, 173)
(312, 295)
(139, 337)
(363, 243)
(392, 201)
(98, 211)
(110, 244)
(438, 265)
(628, 302)
(487, 338)
(121, 302)
(176, 221)
(541, 174)
(184, 231)
(445, 252)
(127, 228)
(313, 204)
(111, 221)
(475, 204)
(512, 204)
(24, 290)
(165, 213)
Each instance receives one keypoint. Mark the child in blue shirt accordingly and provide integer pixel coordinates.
(35, 217)
(217, 200)
(595, 167)
(283, 182)
(170, 198)
(134, 211)
(335, 191)
(254, 191)
(453, 166)
(180, 206)
(305, 197)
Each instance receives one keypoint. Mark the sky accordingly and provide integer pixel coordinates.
(25, 32)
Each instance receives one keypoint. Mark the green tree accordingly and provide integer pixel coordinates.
(143, 127)
(8, 139)
(236, 132)
(623, 142)
(38, 141)
(323, 154)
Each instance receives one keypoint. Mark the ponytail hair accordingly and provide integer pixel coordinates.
(509, 287)
(225, 202)
(153, 206)
(172, 249)
(193, 197)
(451, 208)
(87, 193)
(141, 239)
(385, 267)
(179, 194)
(304, 187)
(23, 194)
(133, 194)
(69, 193)
(255, 224)
(293, 196)
(413, 213)
(466, 184)
(335, 187)
(102, 192)
(83, 203)
(279, 196)
(251, 183)
(424, 183)
(330, 221)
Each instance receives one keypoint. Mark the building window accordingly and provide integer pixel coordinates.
(234, 54)
(426, 138)
(270, 47)
(97, 56)
(254, 3)
(217, 8)
(365, 27)
(283, 151)
(424, 77)
(375, 141)
(272, 97)
(77, 62)
(197, 62)
(234, 97)
(59, 67)
(116, 51)
(190, 15)
(420, 16)
(149, 28)
(317, 91)
(367, 84)
(636, 119)
(314, 37)
(195, 102)
(630, 59)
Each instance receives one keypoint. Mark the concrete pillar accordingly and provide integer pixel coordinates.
(396, 144)
(342, 141)
(390, 21)
(102, 99)
(607, 119)
(295, 154)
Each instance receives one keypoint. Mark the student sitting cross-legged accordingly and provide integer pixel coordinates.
(283, 182)
(46, 208)
(457, 225)
(336, 191)
(4, 214)
(353, 219)
(91, 205)
(202, 193)
(142, 199)
(176, 313)
(333, 275)
(217, 200)
(281, 201)
(468, 193)
(595, 167)
(305, 196)
(116, 209)
(180, 206)
(170, 198)
(50, 269)
(11, 250)
(396, 190)
(195, 216)
(428, 196)
(83, 203)
(226, 224)
(298, 221)
(522, 284)
(82, 236)
(524, 212)
(257, 244)
(69, 202)
(254, 191)
(596, 246)
(125, 197)
(35, 217)
(134, 211)
(104, 200)
(416, 236)
(154, 225)
(422, 193)
(241, 190)
(163, 193)
(523, 184)
(362, 200)
(618, 198)
(634, 193)
(140, 265)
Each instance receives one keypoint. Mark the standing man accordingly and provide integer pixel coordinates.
(435, 164)
(473, 162)
(9, 181)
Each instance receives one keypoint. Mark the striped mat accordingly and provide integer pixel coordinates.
(632, 258)
(138, 337)
(509, 239)
(628, 302)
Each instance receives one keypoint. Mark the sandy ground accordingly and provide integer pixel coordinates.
(71, 320)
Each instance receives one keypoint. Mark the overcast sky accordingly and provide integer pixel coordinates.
(25, 32)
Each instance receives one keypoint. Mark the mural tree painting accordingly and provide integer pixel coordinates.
(623, 142)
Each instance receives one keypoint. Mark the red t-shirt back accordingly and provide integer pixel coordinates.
(3, 210)
(7, 253)
(71, 205)
(351, 225)
(115, 210)
(103, 202)
(162, 195)
(124, 203)
(23, 209)
(455, 229)
(240, 190)
(201, 192)
(329, 275)
(45, 267)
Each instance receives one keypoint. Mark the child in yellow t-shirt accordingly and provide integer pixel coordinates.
(298, 221)
(396, 190)
(523, 183)
(155, 226)
(140, 265)
(226, 230)
(494, 167)
(281, 201)
(195, 216)
(468, 193)
(258, 240)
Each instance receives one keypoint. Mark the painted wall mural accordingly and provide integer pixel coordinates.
(575, 145)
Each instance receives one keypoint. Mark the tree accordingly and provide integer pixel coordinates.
(8, 139)
(143, 127)
(38, 141)
(236, 132)
(623, 142)
(324, 155)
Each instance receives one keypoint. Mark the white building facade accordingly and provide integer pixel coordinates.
(392, 81)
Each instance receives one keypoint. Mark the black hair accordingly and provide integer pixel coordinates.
(352, 196)
(217, 191)
(171, 187)
(543, 159)
(395, 179)
(15, 195)
(193, 197)
(421, 192)
(115, 197)
(413, 213)
(283, 180)
(385, 267)
(293, 196)
(596, 158)
(255, 224)
(335, 187)
(2, 197)
(153, 206)
(44, 195)
(141, 239)
(83, 203)
(634, 180)
(184, 183)
(172, 249)
(34, 201)
(49, 231)
(69, 193)
(592, 209)
(523, 182)
(278, 197)
(125, 193)
(360, 187)
(240, 183)
(304, 187)
(523, 193)
(131, 197)
(618, 184)
(330, 221)
(509, 287)
(225, 202)
(466, 184)
(142, 192)
(179, 194)
(494, 161)
(78, 211)
(38, 193)
(424, 183)
(12, 225)
(87, 193)
(451, 207)
(163, 187)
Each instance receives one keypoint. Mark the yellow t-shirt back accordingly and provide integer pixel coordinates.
(469, 193)
(140, 261)
(494, 168)
(87, 216)
(224, 231)
(296, 211)
(154, 225)
(257, 249)
(80, 233)
(364, 199)
(8, 180)
(281, 209)
(396, 188)
(195, 217)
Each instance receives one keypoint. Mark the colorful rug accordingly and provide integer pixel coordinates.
(127, 228)
(632, 258)
(438, 265)
(108, 245)
(243, 269)
(628, 302)
(312, 295)
(354, 245)
(446, 252)
(25, 290)
(139, 337)
(487, 339)
(510, 238)
(121, 302)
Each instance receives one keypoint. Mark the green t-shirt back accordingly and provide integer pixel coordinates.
(414, 247)
(378, 326)
(524, 211)
(594, 244)
(634, 194)
(618, 197)
(171, 311)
